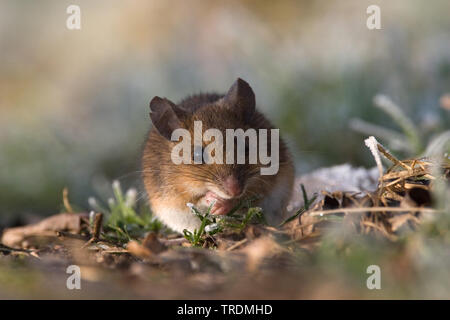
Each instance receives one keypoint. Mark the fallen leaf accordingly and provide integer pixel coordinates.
(47, 228)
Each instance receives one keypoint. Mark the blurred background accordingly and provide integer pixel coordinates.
(74, 103)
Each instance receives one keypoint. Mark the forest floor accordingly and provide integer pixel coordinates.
(391, 242)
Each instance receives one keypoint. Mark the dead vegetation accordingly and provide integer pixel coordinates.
(276, 262)
(403, 198)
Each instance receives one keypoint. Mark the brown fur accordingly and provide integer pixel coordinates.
(171, 186)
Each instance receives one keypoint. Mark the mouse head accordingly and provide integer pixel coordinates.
(238, 106)
(212, 121)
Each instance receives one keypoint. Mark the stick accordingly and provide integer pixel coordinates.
(97, 226)
(97, 229)
(237, 244)
(372, 209)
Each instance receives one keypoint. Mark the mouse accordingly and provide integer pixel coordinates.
(174, 187)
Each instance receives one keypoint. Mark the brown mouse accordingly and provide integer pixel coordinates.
(170, 187)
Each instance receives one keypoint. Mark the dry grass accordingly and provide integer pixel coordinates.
(295, 260)
(403, 197)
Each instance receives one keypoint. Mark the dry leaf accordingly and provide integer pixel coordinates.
(47, 228)
(259, 249)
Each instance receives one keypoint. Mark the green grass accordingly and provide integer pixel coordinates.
(412, 139)
(306, 204)
(125, 220)
(213, 224)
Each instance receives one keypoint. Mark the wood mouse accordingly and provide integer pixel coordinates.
(170, 187)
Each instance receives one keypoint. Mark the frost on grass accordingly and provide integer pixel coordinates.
(211, 227)
(372, 144)
(331, 179)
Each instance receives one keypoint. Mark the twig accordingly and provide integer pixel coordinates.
(97, 226)
(97, 229)
(314, 234)
(10, 249)
(390, 157)
(7, 249)
(382, 230)
(237, 244)
(173, 242)
(372, 209)
(66, 200)
(372, 144)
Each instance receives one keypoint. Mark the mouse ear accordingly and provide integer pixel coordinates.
(163, 116)
(241, 97)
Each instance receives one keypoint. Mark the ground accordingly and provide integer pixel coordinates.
(326, 249)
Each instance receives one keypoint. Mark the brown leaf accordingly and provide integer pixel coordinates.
(263, 247)
(152, 243)
(138, 250)
(45, 229)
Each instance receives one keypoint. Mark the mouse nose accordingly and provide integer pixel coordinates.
(232, 186)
